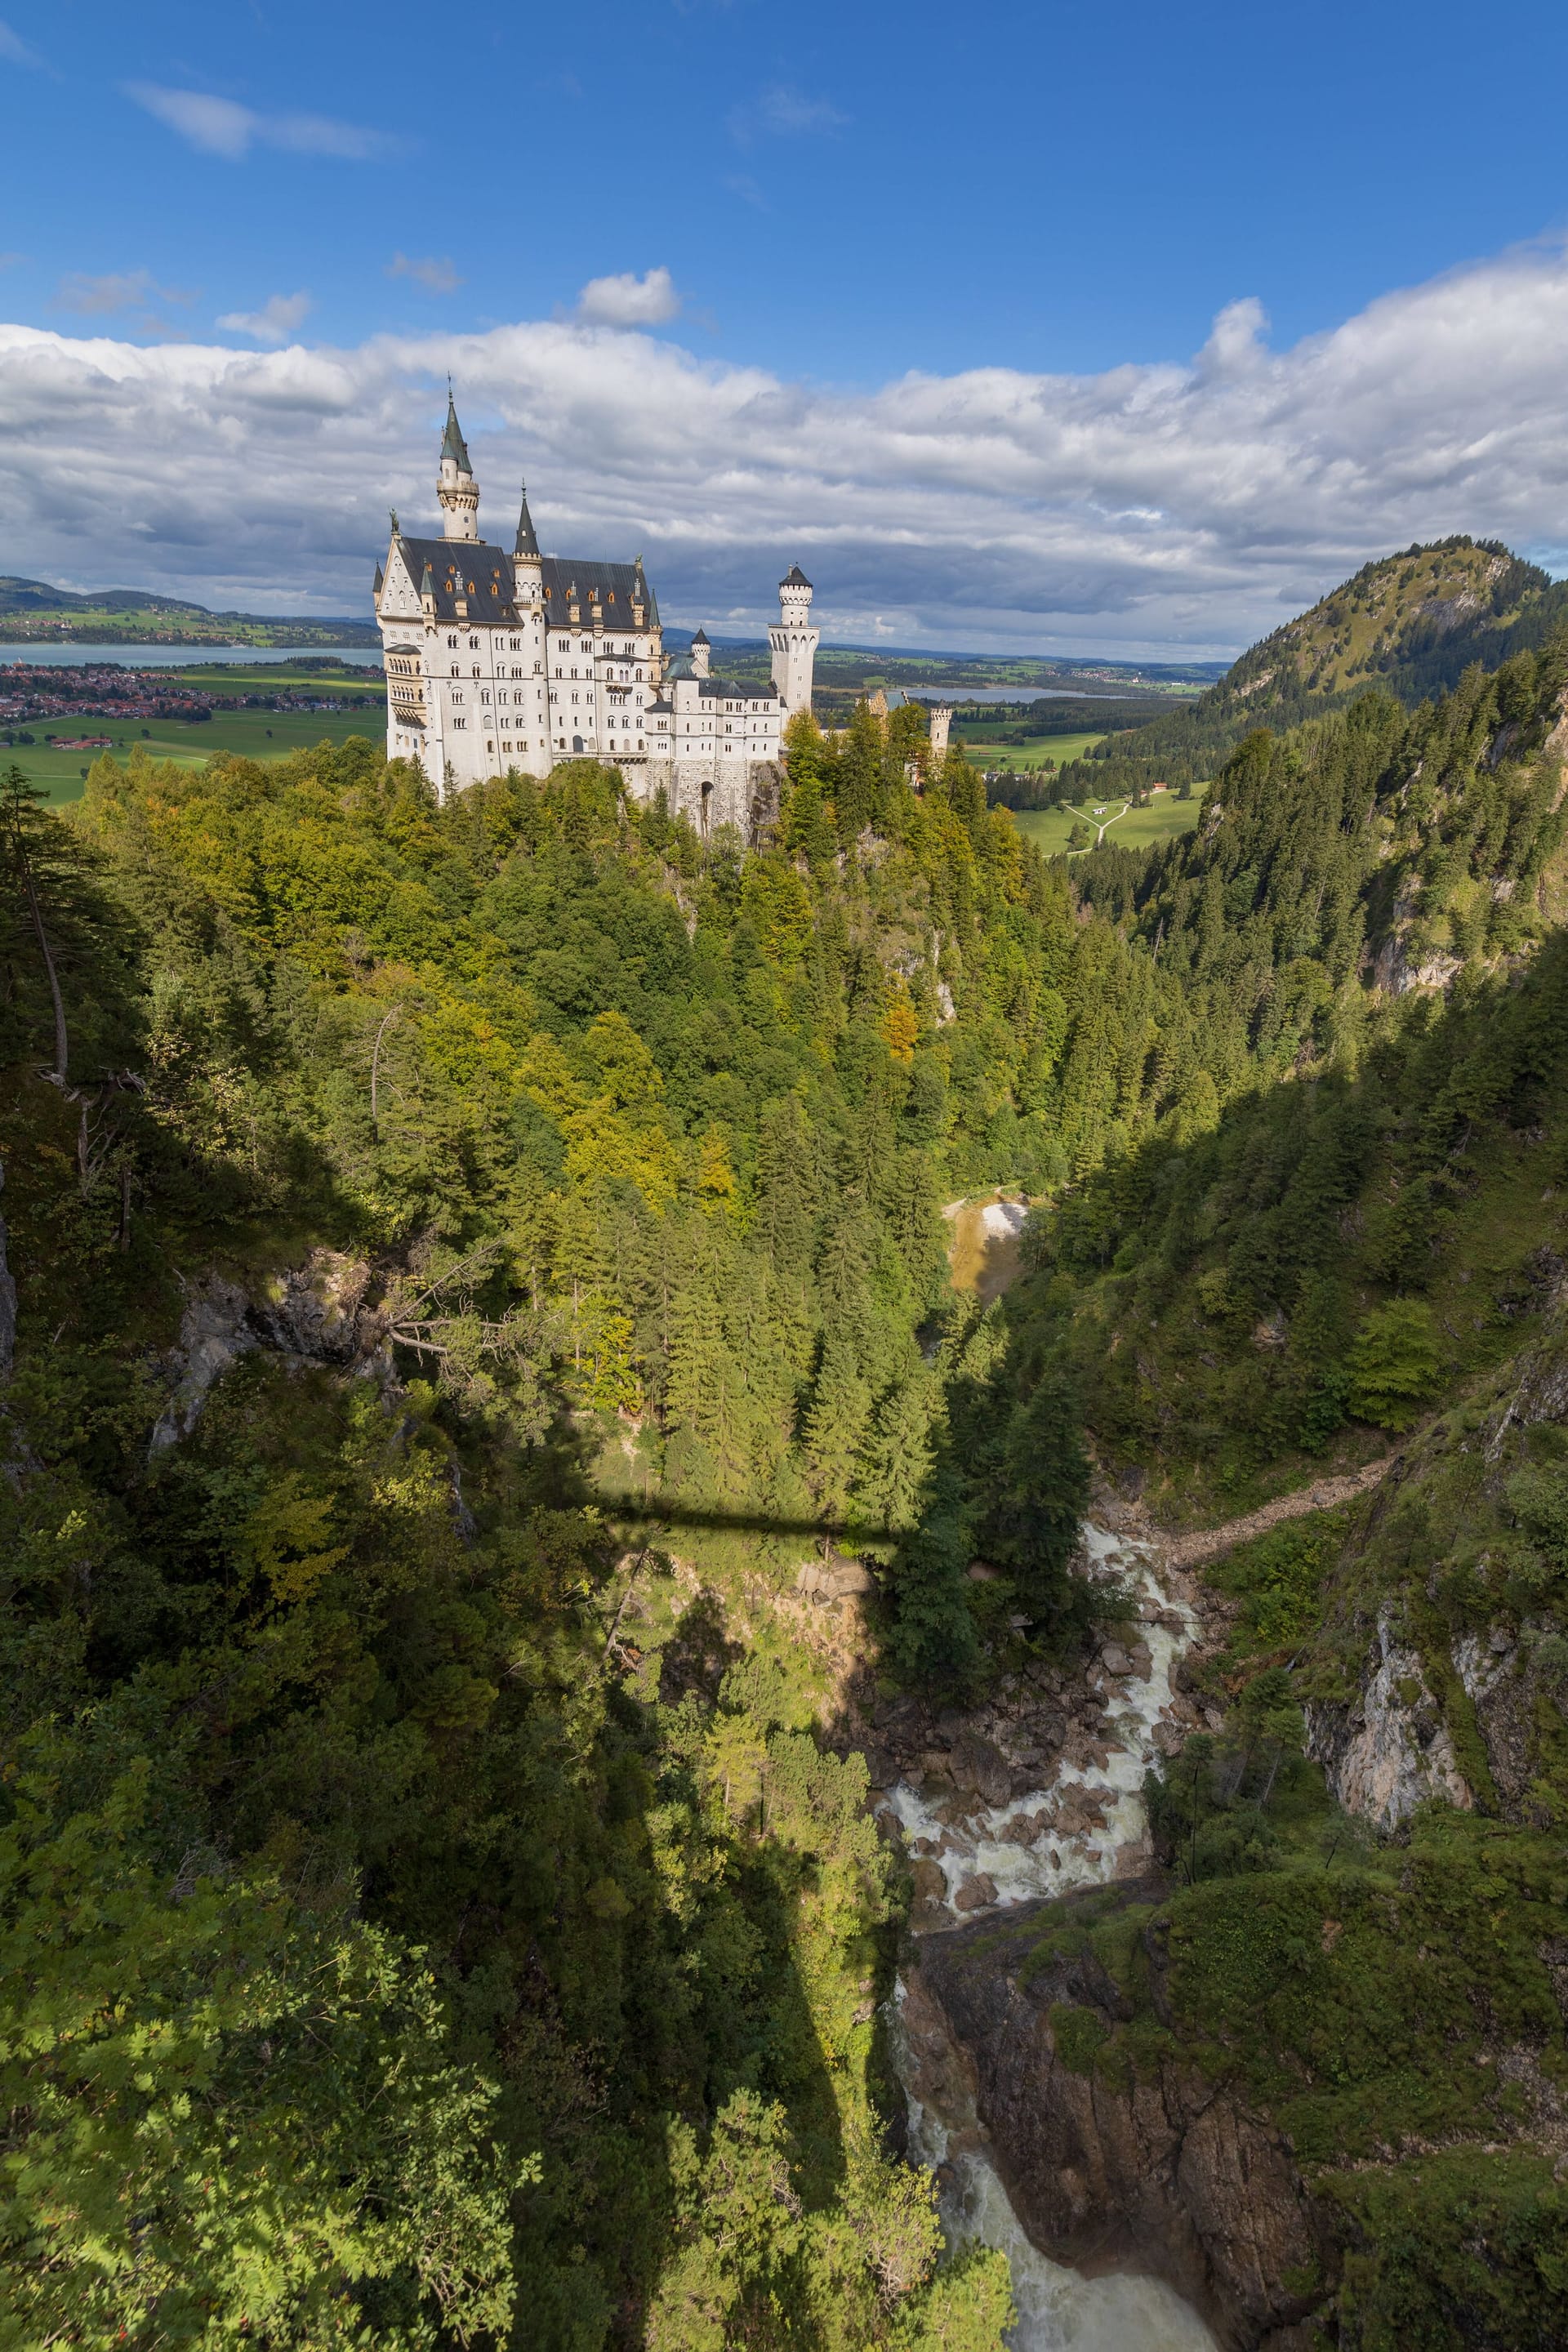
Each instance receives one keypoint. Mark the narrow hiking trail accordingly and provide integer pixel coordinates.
(1204, 1544)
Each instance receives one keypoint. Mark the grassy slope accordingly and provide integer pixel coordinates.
(997, 746)
(1164, 818)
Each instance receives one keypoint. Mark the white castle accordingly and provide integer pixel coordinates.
(498, 661)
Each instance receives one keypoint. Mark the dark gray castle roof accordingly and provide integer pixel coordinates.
(471, 572)
(462, 570)
(795, 578)
(729, 690)
(613, 587)
(452, 442)
(525, 543)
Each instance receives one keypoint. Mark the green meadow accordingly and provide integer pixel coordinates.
(1124, 826)
(991, 747)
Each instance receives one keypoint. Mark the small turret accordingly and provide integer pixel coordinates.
(700, 653)
(376, 585)
(427, 591)
(455, 487)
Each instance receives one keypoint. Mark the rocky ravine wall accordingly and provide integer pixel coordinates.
(1180, 2179)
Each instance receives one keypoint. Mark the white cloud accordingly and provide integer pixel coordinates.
(629, 300)
(436, 276)
(14, 49)
(126, 290)
(276, 321)
(780, 111)
(1164, 507)
(218, 126)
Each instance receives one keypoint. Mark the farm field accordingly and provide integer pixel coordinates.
(988, 749)
(1132, 829)
(259, 734)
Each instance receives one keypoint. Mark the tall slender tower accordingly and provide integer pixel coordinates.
(527, 571)
(794, 641)
(455, 487)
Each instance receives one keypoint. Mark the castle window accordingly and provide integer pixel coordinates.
(452, 642)
(473, 642)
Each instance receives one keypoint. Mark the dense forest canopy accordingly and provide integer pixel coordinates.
(461, 1259)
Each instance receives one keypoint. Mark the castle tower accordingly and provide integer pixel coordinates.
(700, 653)
(941, 720)
(455, 487)
(527, 571)
(794, 641)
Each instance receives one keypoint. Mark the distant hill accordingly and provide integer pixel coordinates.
(34, 612)
(1412, 623)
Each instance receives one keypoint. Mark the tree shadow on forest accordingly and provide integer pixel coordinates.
(668, 1510)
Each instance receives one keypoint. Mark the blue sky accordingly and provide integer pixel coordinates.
(829, 200)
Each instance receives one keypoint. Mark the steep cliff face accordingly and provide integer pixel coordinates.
(312, 1313)
(1164, 2170)
(1461, 1564)
(1390, 1750)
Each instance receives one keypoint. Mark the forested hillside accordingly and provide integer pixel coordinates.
(1412, 623)
(1353, 1253)
(476, 1270)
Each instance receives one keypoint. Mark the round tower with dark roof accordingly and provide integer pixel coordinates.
(455, 487)
(794, 641)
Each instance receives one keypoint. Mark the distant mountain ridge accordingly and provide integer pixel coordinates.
(35, 609)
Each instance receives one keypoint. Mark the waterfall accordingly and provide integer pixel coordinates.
(1082, 1827)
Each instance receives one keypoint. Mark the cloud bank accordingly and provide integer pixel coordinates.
(1176, 509)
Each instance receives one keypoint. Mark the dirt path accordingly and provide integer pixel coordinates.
(1208, 1543)
(1100, 830)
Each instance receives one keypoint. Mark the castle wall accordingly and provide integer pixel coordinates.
(709, 793)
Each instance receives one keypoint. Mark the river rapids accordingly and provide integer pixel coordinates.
(1084, 1826)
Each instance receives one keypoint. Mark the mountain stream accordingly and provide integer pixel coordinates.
(1085, 1825)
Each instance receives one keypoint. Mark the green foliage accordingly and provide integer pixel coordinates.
(438, 1913)
(1312, 1259)
(1277, 1580)
(1451, 2251)
(1079, 2035)
(1394, 1363)
(228, 2116)
(1397, 2025)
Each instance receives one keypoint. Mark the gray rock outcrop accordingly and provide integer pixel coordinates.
(1168, 2174)
(1390, 1750)
(314, 1313)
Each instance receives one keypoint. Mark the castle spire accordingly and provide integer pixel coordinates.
(527, 543)
(453, 445)
(455, 487)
